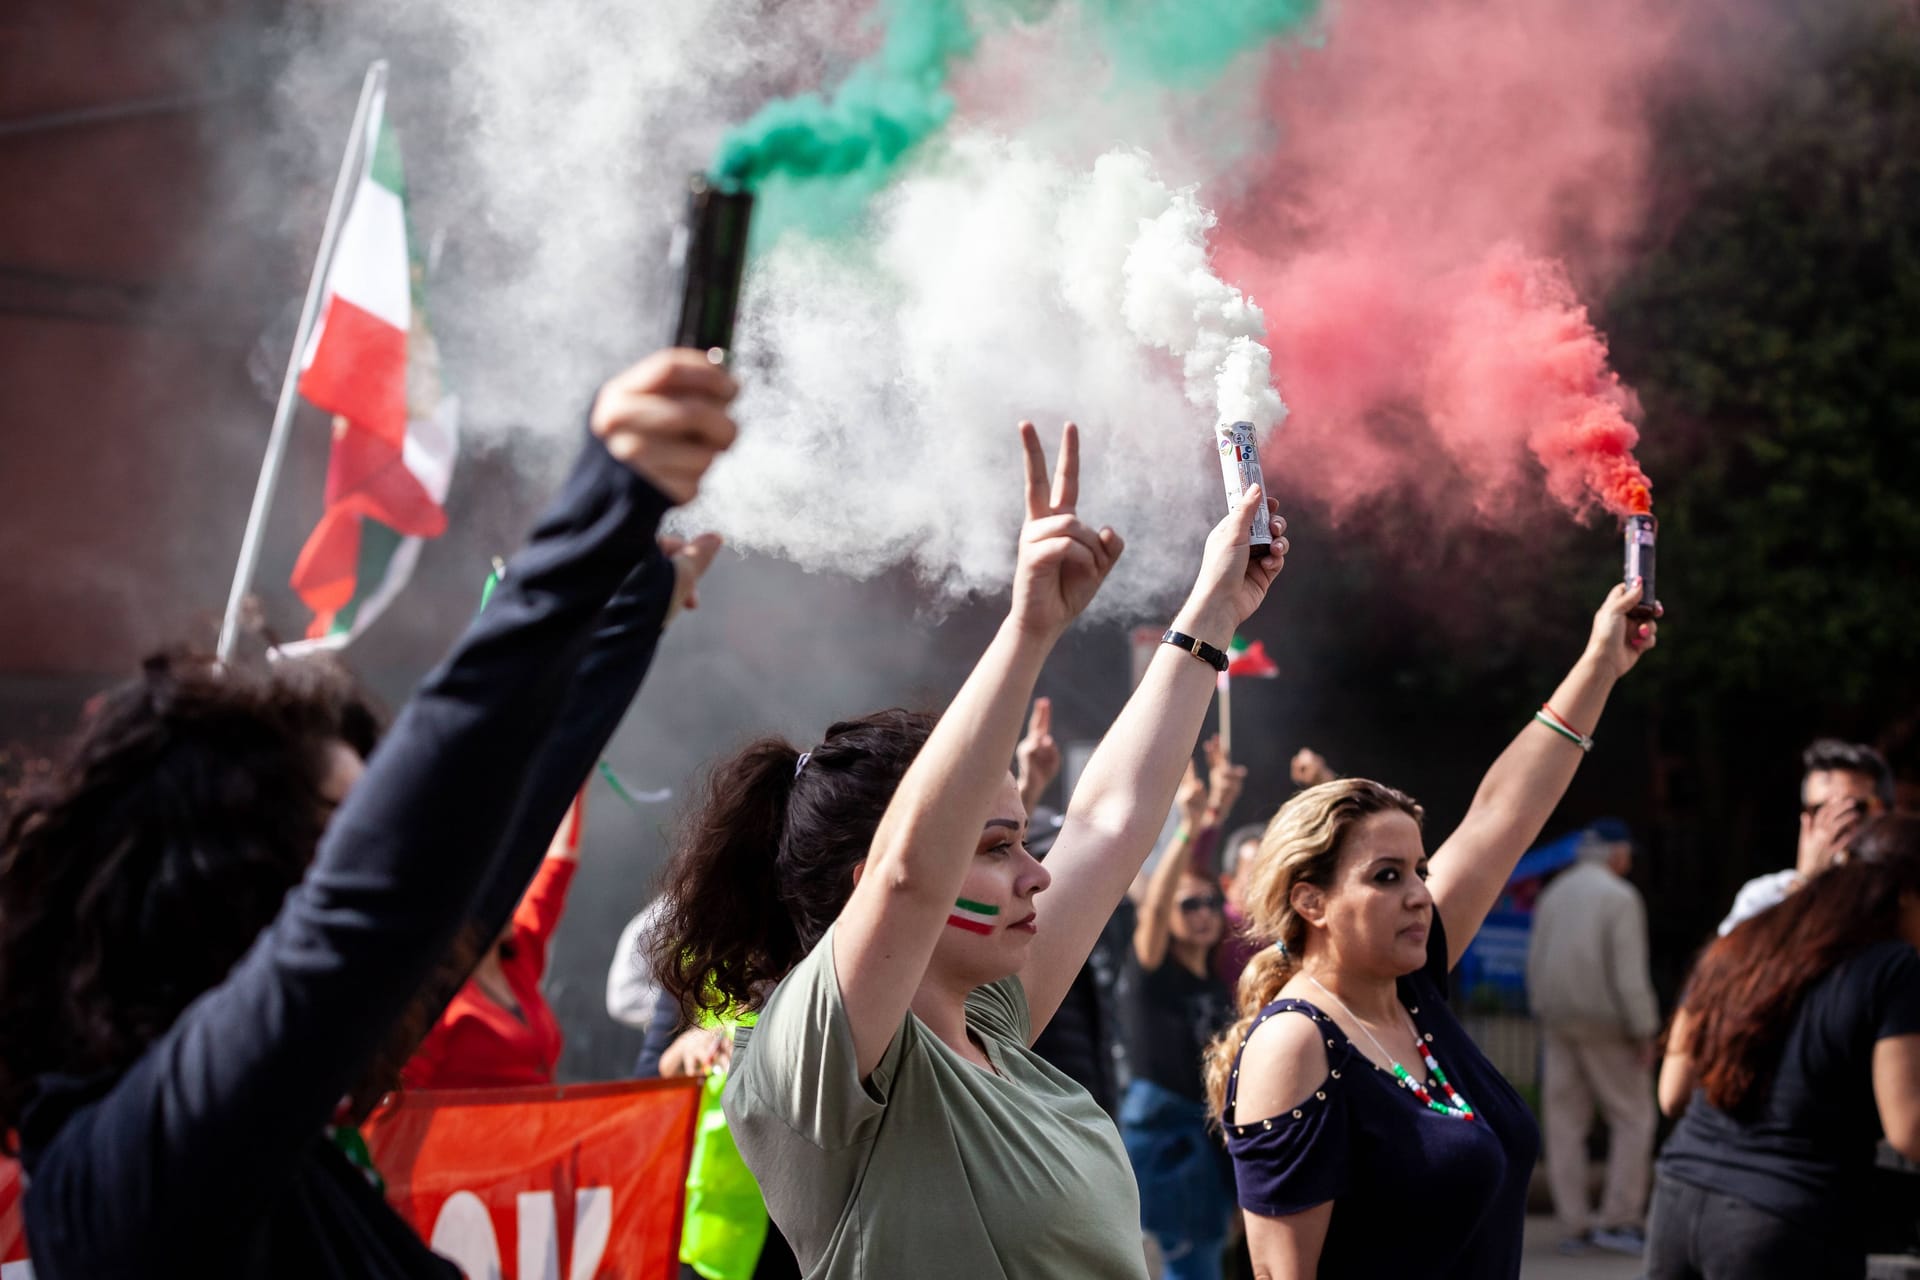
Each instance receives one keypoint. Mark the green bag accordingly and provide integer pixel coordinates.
(726, 1220)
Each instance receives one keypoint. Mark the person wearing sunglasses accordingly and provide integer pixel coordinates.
(1173, 1004)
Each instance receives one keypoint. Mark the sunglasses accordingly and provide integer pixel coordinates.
(1854, 803)
(1212, 902)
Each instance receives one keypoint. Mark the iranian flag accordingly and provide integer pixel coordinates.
(371, 363)
(1249, 658)
(1244, 658)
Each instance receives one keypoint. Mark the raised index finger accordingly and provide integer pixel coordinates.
(1036, 463)
(1066, 477)
(1041, 722)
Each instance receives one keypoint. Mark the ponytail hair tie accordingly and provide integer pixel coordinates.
(801, 763)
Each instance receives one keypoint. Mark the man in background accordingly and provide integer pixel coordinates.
(1590, 987)
(1842, 784)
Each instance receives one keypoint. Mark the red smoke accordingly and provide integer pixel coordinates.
(1442, 170)
(1522, 355)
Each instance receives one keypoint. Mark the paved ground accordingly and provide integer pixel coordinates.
(1543, 1260)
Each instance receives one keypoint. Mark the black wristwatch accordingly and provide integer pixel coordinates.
(1215, 658)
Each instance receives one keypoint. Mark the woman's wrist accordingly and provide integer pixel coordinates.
(1595, 664)
(1213, 625)
(1028, 638)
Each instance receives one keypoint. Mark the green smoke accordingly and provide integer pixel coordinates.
(815, 161)
(1182, 44)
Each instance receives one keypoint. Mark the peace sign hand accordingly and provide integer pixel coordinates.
(1061, 562)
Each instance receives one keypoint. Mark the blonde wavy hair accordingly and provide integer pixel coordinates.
(1302, 845)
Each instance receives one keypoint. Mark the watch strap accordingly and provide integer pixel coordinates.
(1215, 658)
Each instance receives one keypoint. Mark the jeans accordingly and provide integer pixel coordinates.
(1201, 1261)
(1186, 1197)
(1696, 1234)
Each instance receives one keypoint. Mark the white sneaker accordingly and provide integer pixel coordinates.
(1628, 1240)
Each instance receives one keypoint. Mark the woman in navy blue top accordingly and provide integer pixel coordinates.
(200, 955)
(1369, 1136)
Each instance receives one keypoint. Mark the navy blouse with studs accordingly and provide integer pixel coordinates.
(1414, 1192)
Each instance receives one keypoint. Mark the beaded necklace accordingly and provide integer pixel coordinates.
(1455, 1105)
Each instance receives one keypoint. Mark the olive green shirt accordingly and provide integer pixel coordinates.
(934, 1168)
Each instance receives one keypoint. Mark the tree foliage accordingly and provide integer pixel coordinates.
(1775, 341)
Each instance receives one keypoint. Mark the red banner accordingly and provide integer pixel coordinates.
(579, 1183)
(13, 1226)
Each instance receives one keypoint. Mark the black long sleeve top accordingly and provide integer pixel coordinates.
(607, 678)
(204, 1157)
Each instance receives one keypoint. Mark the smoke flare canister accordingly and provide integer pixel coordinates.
(711, 252)
(1240, 468)
(1639, 532)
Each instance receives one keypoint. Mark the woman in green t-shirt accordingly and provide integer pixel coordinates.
(873, 900)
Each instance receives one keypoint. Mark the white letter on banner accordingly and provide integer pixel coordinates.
(539, 1251)
(539, 1246)
(592, 1226)
(463, 1233)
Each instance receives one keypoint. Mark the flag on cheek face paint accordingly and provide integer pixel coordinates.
(974, 917)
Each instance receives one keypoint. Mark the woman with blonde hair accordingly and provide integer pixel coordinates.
(1370, 1105)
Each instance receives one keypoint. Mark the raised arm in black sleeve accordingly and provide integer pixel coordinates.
(608, 678)
(213, 1119)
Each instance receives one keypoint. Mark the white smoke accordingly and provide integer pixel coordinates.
(1046, 278)
(551, 147)
(997, 283)
(1138, 249)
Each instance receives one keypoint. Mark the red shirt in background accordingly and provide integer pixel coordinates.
(478, 1044)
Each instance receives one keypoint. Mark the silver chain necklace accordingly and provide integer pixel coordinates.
(1455, 1105)
(1396, 1067)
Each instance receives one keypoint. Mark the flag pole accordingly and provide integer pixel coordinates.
(372, 91)
(1225, 684)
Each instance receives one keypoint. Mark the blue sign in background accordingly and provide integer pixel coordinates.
(1492, 975)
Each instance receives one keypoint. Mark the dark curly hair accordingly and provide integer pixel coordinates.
(765, 861)
(140, 867)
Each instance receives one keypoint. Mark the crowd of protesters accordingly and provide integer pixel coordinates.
(961, 1033)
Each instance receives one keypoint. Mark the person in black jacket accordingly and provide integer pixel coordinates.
(201, 955)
